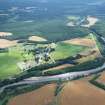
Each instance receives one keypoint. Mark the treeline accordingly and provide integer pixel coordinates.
(99, 28)
(96, 83)
(3, 50)
(102, 43)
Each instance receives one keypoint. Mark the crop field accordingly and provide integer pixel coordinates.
(81, 41)
(102, 78)
(83, 92)
(61, 67)
(80, 90)
(41, 96)
(7, 43)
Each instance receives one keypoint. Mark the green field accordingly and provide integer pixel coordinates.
(8, 62)
(64, 50)
(8, 65)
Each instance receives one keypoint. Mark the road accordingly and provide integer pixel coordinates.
(67, 76)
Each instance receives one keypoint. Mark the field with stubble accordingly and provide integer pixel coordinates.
(41, 96)
(81, 92)
(7, 43)
(81, 41)
(102, 77)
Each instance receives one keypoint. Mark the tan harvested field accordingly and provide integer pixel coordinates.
(36, 38)
(102, 77)
(5, 34)
(41, 96)
(7, 43)
(81, 41)
(59, 67)
(81, 92)
(89, 56)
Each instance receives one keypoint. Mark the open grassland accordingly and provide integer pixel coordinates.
(41, 96)
(8, 65)
(81, 92)
(8, 62)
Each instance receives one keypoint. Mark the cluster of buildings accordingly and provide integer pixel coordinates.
(44, 54)
(41, 56)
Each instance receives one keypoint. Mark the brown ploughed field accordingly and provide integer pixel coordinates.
(81, 92)
(81, 41)
(78, 92)
(41, 96)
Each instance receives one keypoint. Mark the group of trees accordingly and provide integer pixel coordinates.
(3, 50)
(96, 83)
(79, 67)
